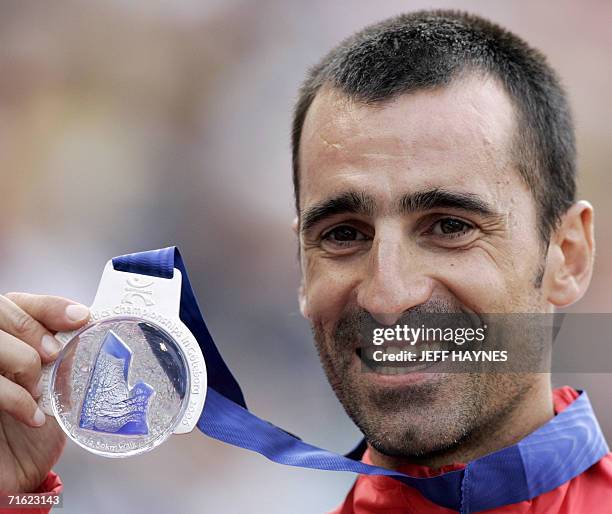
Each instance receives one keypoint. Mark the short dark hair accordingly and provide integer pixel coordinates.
(428, 49)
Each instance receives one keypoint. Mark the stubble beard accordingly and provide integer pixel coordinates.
(419, 420)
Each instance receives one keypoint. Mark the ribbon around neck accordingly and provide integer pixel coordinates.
(558, 451)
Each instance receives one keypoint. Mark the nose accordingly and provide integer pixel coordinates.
(395, 280)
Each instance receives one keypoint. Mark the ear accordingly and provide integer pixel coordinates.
(302, 300)
(570, 256)
(294, 225)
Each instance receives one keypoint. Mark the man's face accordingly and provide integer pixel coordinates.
(415, 205)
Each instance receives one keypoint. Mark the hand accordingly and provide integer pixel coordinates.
(30, 442)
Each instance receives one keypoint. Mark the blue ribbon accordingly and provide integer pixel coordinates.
(560, 450)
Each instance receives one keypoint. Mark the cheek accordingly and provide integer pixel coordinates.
(487, 284)
(328, 291)
(475, 280)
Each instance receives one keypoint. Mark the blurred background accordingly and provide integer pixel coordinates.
(127, 126)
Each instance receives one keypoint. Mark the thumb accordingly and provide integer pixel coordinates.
(54, 312)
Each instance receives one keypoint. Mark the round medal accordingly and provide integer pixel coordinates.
(119, 387)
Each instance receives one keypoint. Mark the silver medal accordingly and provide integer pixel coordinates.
(134, 375)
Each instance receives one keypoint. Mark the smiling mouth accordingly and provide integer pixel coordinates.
(396, 360)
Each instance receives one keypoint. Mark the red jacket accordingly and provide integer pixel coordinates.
(588, 493)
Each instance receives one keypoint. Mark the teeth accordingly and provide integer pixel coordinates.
(399, 370)
(387, 370)
(400, 367)
(393, 350)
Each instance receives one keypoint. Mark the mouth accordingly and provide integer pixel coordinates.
(401, 360)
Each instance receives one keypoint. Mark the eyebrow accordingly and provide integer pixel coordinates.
(359, 202)
(350, 202)
(437, 198)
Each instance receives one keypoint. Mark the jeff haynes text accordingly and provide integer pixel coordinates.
(441, 356)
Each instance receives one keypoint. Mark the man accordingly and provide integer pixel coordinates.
(434, 171)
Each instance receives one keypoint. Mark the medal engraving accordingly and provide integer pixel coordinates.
(120, 386)
(110, 405)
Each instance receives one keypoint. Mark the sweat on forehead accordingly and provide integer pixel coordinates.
(451, 136)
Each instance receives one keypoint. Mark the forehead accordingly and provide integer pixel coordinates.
(455, 136)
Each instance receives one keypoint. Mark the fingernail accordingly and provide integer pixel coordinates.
(50, 345)
(39, 418)
(77, 312)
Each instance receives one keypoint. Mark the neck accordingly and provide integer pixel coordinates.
(534, 410)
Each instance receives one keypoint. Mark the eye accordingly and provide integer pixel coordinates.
(344, 235)
(450, 227)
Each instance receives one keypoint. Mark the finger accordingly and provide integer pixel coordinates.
(18, 323)
(54, 312)
(17, 402)
(20, 362)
